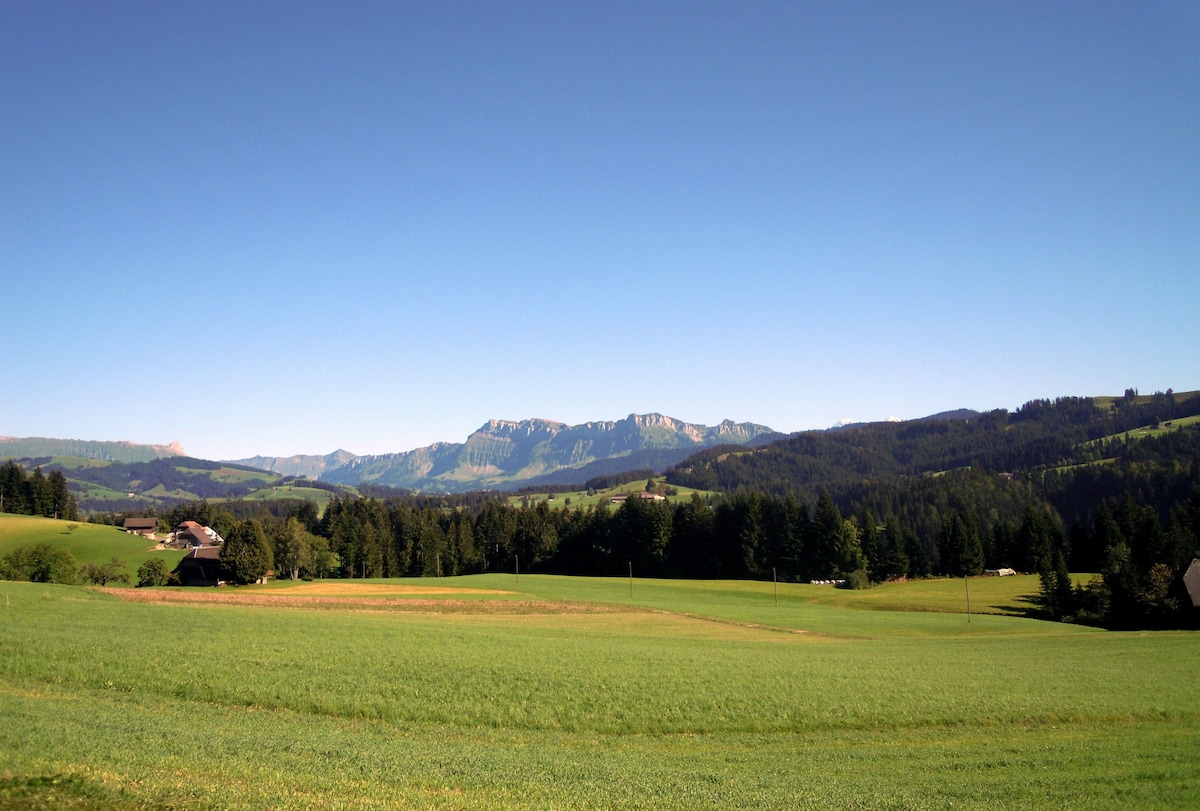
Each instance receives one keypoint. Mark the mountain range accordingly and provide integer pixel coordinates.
(503, 454)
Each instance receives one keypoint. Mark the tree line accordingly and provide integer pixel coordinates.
(35, 493)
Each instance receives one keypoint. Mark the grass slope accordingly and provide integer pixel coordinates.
(1150, 430)
(287, 491)
(567, 693)
(89, 543)
(580, 498)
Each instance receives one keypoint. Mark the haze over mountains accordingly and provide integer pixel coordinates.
(505, 454)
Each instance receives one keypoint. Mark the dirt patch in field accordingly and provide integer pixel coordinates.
(377, 604)
(374, 589)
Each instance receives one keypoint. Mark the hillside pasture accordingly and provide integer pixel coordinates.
(658, 703)
(1108, 401)
(77, 463)
(580, 498)
(1165, 427)
(232, 475)
(89, 543)
(287, 491)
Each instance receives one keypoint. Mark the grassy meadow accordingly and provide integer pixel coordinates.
(314, 494)
(1149, 430)
(557, 692)
(580, 498)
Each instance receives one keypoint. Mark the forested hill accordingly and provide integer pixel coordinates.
(1041, 434)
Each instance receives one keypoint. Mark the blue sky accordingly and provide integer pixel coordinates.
(286, 228)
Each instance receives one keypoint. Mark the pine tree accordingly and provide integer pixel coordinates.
(971, 560)
(246, 556)
(41, 499)
(13, 496)
(826, 526)
(63, 503)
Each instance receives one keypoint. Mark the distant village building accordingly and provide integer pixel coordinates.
(621, 498)
(146, 527)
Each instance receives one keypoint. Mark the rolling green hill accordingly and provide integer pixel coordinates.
(89, 543)
(115, 486)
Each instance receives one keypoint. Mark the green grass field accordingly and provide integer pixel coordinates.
(89, 543)
(560, 692)
(580, 498)
(1149, 430)
(314, 494)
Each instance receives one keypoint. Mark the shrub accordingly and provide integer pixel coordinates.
(40, 563)
(101, 574)
(152, 573)
(857, 579)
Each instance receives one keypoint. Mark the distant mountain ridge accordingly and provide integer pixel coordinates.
(126, 452)
(506, 454)
(303, 465)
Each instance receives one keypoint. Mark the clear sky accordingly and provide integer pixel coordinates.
(288, 227)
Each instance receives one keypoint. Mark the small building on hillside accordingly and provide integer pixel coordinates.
(200, 567)
(146, 527)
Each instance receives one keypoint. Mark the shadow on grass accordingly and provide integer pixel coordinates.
(63, 791)
(1029, 606)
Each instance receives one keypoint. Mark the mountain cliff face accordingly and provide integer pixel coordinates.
(34, 447)
(504, 454)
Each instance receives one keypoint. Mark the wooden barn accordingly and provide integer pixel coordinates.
(200, 567)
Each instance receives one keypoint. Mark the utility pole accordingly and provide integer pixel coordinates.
(631, 580)
(775, 579)
(517, 558)
(967, 586)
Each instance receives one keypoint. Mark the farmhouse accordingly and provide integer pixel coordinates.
(146, 527)
(191, 534)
